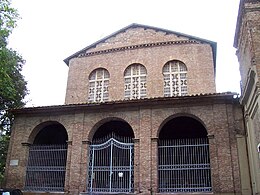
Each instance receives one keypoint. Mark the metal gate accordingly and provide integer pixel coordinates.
(184, 165)
(46, 168)
(111, 167)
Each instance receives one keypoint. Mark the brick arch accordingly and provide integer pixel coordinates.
(135, 63)
(175, 60)
(179, 115)
(183, 149)
(97, 125)
(36, 130)
(100, 68)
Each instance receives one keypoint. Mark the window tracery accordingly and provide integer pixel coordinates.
(135, 81)
(98, 85)
(175, 79)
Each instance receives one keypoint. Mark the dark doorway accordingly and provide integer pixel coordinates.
(47, 159)
(183, 127)
(111, 162)
(184, 163)
(51, 134)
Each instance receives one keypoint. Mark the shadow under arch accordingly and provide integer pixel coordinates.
(183, 154)
(48, 132)
(186, 118)
(47, 158)
(111, 124)
(111, 157)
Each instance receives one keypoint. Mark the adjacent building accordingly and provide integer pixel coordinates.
(247, 42)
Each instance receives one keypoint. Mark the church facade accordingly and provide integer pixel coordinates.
(141, 116)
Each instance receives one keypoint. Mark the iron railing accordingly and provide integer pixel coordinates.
(184, 165)
(111, 167)
(46, 168)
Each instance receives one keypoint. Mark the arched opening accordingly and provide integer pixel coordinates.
(111, 160)
(135, 81)
(51, 134)
(175, 78)
(183, 154)
(98, 85)
(47, 159)
(182, 127)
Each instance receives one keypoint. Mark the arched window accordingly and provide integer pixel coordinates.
(98, 85)
(175, 79)
(135, 81)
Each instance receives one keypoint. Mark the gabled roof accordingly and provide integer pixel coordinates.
(134, 25)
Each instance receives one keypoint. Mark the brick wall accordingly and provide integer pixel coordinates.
(197, 57)
(220, 116)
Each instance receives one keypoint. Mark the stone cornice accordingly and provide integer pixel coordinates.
(145, 27)
(154, 139)
(244, 6)
(26, 144)
(140, 46)
(252, 105)
(86, 142)
(248, 86)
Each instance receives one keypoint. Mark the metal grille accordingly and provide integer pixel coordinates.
(184, 165)
(98, 85)
(46, 168)
(135, 82)
(175, 79)
(111, 167)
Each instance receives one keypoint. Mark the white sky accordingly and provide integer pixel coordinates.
(51, 30)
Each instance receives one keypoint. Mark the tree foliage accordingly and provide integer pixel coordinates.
(12, 84)
(4, 140)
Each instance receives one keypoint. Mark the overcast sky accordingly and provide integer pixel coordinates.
(51, 30)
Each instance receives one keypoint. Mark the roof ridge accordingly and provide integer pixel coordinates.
(135, 25)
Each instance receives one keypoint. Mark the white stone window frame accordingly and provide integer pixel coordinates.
(177, 73)
(98, 85)
(135, 84)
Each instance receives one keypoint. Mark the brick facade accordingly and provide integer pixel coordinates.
(220, 114)
(154, 52)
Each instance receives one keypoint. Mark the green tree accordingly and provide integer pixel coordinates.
(12, 84)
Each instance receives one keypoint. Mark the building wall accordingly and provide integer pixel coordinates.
(220, 114)
(222, 119)
(247, 42)
(197, 57)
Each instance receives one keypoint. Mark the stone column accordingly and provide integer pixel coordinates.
(243, 165)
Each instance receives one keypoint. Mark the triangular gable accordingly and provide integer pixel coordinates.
(117, 39)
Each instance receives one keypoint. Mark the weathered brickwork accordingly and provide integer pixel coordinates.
(219, 114)
(247, 42)
(198, 57)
